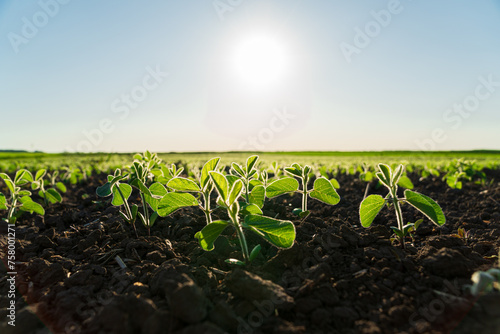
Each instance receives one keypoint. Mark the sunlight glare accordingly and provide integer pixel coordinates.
(260, 61)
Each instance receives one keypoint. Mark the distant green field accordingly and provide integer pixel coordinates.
(14, 160)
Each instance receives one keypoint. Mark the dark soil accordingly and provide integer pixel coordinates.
(338, 277)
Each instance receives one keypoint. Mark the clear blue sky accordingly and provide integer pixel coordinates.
(198, 75)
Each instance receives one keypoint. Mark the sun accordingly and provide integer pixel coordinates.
(260, 61)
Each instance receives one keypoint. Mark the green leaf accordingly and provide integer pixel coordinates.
(397, 231)
(257, 196)
(104, 190)
(282, 186)
(251, 161)
(280, 233)
(250, 209)
(134, 209)
(53, 196)
(142, 187)
(252, 173)
(397, 174)
(116, 179)
(23, 176)
(8, 182)
(211, 165)
(235, 262)
(183, 184)
(231, 179)
(335, 183)
(24, 193)
(235, 191)
(255, 252)
(405, 182)
(293, 171)
(407, 228)
(253, 183)
(61, 187)
(30, 206)
(152, 219)
(3, 202)
(417, 223)
(369, 209)
(221, 185)
(237, 168)
(174, 201)
(157, 189)
(427, 206)
(382, 179)
(304, 214)
(125, 189)
(210, 233)
(323, 191)
(40, 174)
(386, 170)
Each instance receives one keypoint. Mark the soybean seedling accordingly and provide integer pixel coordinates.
(54, 183)
(203, 187)
(246, 173)
(371, 205)
(121, 193)
(279, 233)
(323, 190)
(462, 234)
(365, 175)
(19, 200)
(141, 173)
(50, 195)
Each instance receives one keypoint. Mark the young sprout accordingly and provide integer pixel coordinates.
(323, 190)
(366, 176)
(462, 234)
(280, 233)
(50, 195)
(121, 193)
(163, 174)
(372, 204)
(19, 200)
(54, 183)
(141, 173)
(203, 187)
(246, 173)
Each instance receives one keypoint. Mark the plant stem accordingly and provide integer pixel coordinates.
(247, 194)
(206, 208)
(304, 193)
(366, 190)
(12, 208)
(399, 214)
(127, 208)
(241, 235)
(146, 211)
